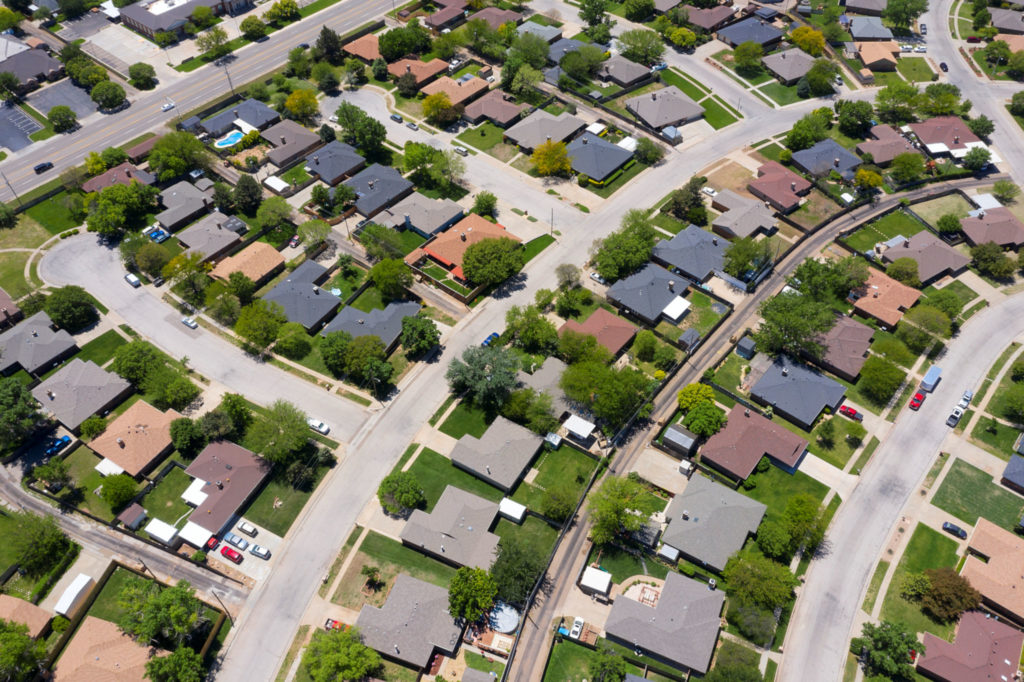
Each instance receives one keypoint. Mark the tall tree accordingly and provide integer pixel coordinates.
(71, 308)
(259, 322)
(904, 12)
(281, 434)
(18, 412)
(491, 261)
(340, 655)
(887, 648)
(329, 44)
(182, 665)
(38, 544)
(177, 153)
(152, 613)
(611, 508)
(21, 657)
(471, 593)
(793, 324)
(627, 249)
(487, 374)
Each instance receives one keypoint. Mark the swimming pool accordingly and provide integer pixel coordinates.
(230, 140)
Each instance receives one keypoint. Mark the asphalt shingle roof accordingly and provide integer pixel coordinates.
(212, 235)
(334, 161)
(545, 380)
(302, 299)
(869, 28)
(79, 390)
(33, 344)
(665, 107)
(425, 215)
(821, 159)
(746, 438)
(378, 187)
(797, 391)
(694, 252)
(648, 292)
(539, 126)
(252, 111)
(385, 324)
(501, 455)
(456, 529)
(750, 30)
(596, 157)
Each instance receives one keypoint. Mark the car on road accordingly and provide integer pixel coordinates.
(167, 106)
(491, 338)
(190, 322)
(58, 445)
(133, 280)
(318, 426)
(304, 46)
(853, 414)
(239, 542)
(954, 417)
(259, 551)
(915, 402)
(924, 29)
(42, 167)
(332, 624)
(230, 554)
(954, 529)
(412, 126)
(660, 66)
(333, 118)
(577, 628)
(294, 241)
(462, 151)
(944, 66)
(598, 278)
(965, 399)
(397, 118)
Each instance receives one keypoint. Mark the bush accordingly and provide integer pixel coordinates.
(92, 427)
(199, 556)
(60, 624)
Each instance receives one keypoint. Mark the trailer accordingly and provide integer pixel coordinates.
(931, 378)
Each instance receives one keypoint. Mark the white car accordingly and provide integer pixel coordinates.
(710, 192)
(167, 107)
(921, 48)
(318, 426)
(190, 322)
(906, 48)
(954, 417)
(577, 628)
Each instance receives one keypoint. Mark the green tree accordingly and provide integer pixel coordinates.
(259, 322)
(398, 42)
(516, 570)
(56, 473)
(177, 153)
(21, 657)
(340, 655)
(929, 317)
(419, 335)
(644, 345)
(759, 581)
(323, 74)
(611, 508)
(281, 434)
(907, 167)
(71, 308)
(118, 490)
(692, 395)
(8, 218)
(551, 158)
(485, 204)
(638, 10)
(392, 278)
(247, 194)
(38, 544)
(293, 341)
(977, 158)
(471, 593)
(142, 75)
(879, 379)
(18, 412)
(1005, 190)
(747, 58)
(607, 665)
(887, 648)
(526, 80)
(9, 19)
(950, 595)
(152, 613)
(213, 42)
(9, 84)
(827, 280)
(135, 360)
(705, 419)
(914, 586)
(182, 665)
(333, 347)
(361, 355)
(273, 212)
(359, 129)
(574, 347)
(329, 44)
(904, 12)
(855, 118)
(622, 392)
(253, 28)
(487, 374)
(808, 39)
(282, 11)
(530, 330)
(400, 492)
(774, 540)
(92, 427)
(982, 126)
(491, 261)
(904, 270)
(806, 132)
(647, 151)
(107, 95)
(593, 12)
(990, 260)
(746, 256)
(997, 52)
(793, 324)
(187, 436)
(151, 259)
(627, 249)
(895, 102)
(62, 118)
(641, 46)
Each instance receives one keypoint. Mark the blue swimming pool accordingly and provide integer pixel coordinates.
(229, 140)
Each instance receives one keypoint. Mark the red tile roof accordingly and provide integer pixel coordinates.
(610, 330)
(365, 47)
(746, 438)
(449, 247)
(885, 299)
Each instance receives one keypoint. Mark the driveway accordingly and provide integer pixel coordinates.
(15, 127)
(63, 92)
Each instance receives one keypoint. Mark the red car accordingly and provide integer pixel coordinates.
(853, 414)
(212, 543)
(295, 241)
(332, 624)
(231, 554)
(915, 402)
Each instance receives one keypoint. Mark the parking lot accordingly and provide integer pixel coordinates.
(64, 92)
(83, 27)
(15, 127)
(252, 566)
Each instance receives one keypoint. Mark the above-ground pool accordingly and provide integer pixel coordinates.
(229, 140)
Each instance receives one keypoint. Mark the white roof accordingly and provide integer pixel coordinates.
(985, 201)
(596, 128)
(194, 534)
(511, 510)
(244, 127)
(676, 308)
(579, 427)
(628, 143)
(78, 587)
(937, 148)
(597, 580)
(162, 531)
(194, 494)
(110, 9)
(275, 183)
(670, 553)
(107, 467)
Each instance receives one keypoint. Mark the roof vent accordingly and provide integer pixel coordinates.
(462, 236)
(654, 96)
(835, 162)
(220, 485)
(785, 371)
(120, 441)
(316, 158)
(671, 285)
(585, 140)
(714, 240)
(686, 514)
(360, 321)
(792, 186)
(746, 412)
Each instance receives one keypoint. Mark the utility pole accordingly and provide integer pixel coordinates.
(223, 606)
(10, 187)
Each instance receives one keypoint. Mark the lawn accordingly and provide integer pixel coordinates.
(279, 503)
(410, 240)
(883, 229)
(995, 437)
(931, 211)
(666, 222)
(12, 273)
(435, 472)
(815, 209)
(533, 247)
(27, 234)
(887, 345)
(105, 607)
(8, 529)
(52, 215)
(348, 281)
(164, 500)
(484, 137)
(702, 315)
(716, 114)
(534, 535)
(564, 467)
(775, 487)
(967, 492)
(622, 565)
(101, 349)
(370, 299)
(781, 94)
(618, 181)
(841, 450)
(914, 69)
(568, 662)
(296, 175)
(466, 418)
(962, 291)
(478, 662)
(874, 586)
(729, 373)
(87, 481)
(688, 86)
(927, 548)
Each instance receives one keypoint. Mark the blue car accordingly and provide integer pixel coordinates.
(490, 339)
(159, 236)
(58, 445)
(954, 529)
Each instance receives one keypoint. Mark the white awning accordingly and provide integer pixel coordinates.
(194, 494)
(676, 309)
(596, 580)
(579, 427)
(244, 127)
(628, 143)
(72, 596)
(985, 202)
(107, 467)
(195, 535)
(162, 531)
(937, 148)
(513, 511)
(277, 184)
(596, 128)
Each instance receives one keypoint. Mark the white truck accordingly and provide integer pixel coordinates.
(931, 378)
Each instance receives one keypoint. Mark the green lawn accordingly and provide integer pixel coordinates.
(841, 450)
(568, 662)
(410, 241)
(296, 175)
(620, 180)
(564, 467)
(962, 291)
(927, 548)
(164, 500)
(775, 487)
(622, 565)
(533, 247)
(967, 492)
(386, 550)
(717, 114)
(914, 69)
(772, 152)
(370, 299)
(883, 229)
(52, 215)
(874, 586)
(995, 437)
(105, 607)
(886, 344)
(101, 349)
(702, 316)
(279, 503)
(347, 281)
(781, 94)
(478, 662)
(12, 273)
(9, 527)
(667, 222)
(933, 209)
(690, 87)
(535, 535)
(483, 137)
(81, 466)
(729, 373)
(435, 472)
(466, 418)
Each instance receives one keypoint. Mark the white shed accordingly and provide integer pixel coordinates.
(74, 595)
(513, 511)
(162, 531)
(596, 581)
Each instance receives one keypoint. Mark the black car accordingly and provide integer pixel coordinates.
(944, 66)
(304, 46)
(954, 529)
(158, 282)
(43, 167)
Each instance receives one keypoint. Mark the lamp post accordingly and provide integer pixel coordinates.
(10, 187)
(223, 606)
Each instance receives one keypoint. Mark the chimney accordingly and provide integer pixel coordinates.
(35, 334)
(316, 291)
(746, 412)
(835, 162)
(235, 112)
(783, 55)
(220, 485)
(408, 223)
(654, 96)
(714, 240)
(282, 139)
(316, 159)
(671, 285)
(956, 139)
(408, 68)
(462, 236)
(361, 322)
(50, 394)
(585, 140)
(488, 467)
(370, 183)
(686, 514)
(792, 186)
(120, 441)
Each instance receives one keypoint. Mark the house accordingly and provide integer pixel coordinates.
(134, 442)
(213, 235)
(544, 379)
(665, 107)
(32, 67)
(984, 649)
(450, 14)
(827, 156)
(384, 324)
(746, 438)
(886, 144)
(709, 19)
(495, 106)
(788, 66)
(663, 6)
(750, 30)
(259, 262)
(35, 345)
(1007, 20)
(994, 558)
(868, 28)
(621, 71)
(708, 522)
(741, 216)
(456, 530)
(680, 441)
(540, 126)
(873, 8)
(365, 47)
(883, 298)
(423, 215)
(878, 55)
(10, 315)
(680, 628)
(651, 294)
(458, 91)
(78, 391)
(10, 46)
(997, 225)
(596, 157)
(797, 392)
(946, 135)
(846, 347)
(290, 141)
(1013, 474)
(779, 186)
(226, 476)
(548, 34)
(448, 248)
(302, 298)
(251, 112)
(378, 187)
(562, 47)
(183, 202)
(21, 612)
(167, 16)
(692, 252)
(501, 456)
(934, 257)
(334, 162)
(610, 330)
(412, 625)
(422, 71)
(99, 650)
(1016, 42)
(495, 17)
(142, 149)
(122, 174)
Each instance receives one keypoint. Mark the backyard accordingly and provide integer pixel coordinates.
(623, 565)
(487, 137)
(775, 487)
(435, 472)
(967, 492)
(815, 208)
(883, 229)
(533, 535)
(930, 211)
(164, 500)
(84, 493)
(927, 548)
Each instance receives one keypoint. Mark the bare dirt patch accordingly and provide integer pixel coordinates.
(731, 176)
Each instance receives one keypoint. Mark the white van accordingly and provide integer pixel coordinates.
(247, 528)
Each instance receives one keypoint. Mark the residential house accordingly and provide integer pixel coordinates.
(21, 612)
(183, 202)
(35, 345)
(886, 144)
(10, 46)
(378, 187)
(883, 298)
(788, 66)
(365, 47)
(423, 215)
(827, 156)
(458, 91)
(797, 392)
(562, 47)
(456, 531)
(1007, 20)
(448, 248)
(746, 437)
(140, 151)
(259, 262)
(32, 67)
(946, 135)
(610, 330)
(413, 624)
(934, 257)
(741, 216)
(1013, 474)
(540, 126)
(984, 649)
(495, 106)
(621, 71)
(596, 157)
(213, 235)
(135, 441)
(663, 6)
(994, 558)
(709, 522)
(997, 225)
(710, 19)
(99, 650)
(10, 314)
(680, 628)
(334, 162)
(692, 252)
(302, 298)
(122, 174)
(779, 186)
(868, 28)
(167, 16)
(1016, 42)
(846, 347)
(422, 71)
(290, 141)
(501, 456)
(450, 14)
(78, 390)
(873, 8)
(665, 107)
(495, 17)
(548, 34)
(385, 324)
(251, 112)
(879, 55)
(651, 294)
(750, 30)
(545, 379)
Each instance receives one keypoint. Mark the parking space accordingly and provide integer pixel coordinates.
(64, 92)
(252, 566)
(15, 127)
(88, 24)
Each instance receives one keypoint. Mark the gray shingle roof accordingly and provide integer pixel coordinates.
(545, 380)
(621, 70)
(797, 391)
(501, 455)
(385, 324)
(31, 65)
(290, 141)
(678, 438)
(413, 622)
(378, 187)
(682, 627)
(252, 111)
(213, 234)
(789, 65)
(1007, 20)
(750, 30)
(562, 47)
(456, 530)
(333, 161)
(540, 125)
(78, 391)
(33, 345)
(1014, 471)
(821, 159)
(869, 28)
(596, 157)
(866, 6)
(548, 33)
(182, 201)
(694, 252)
(934, 257)
(302, 299)
(665, 107)
(743, 216)
(648, 292)
(846, 346)
(710, 522)
(426, 216)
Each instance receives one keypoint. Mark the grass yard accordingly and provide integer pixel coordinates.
(667, 223)
(101, 349)
(772, 152)
(478, 662)
(934, 209)
(9, 527)
(968, 492)
(841, 450)
(536, 536)
(435, 472)
(410, 241)
(105, 606)
(370, 299)
(887, 345)
(27, 234)
(690, 87)
(914, 69)
(296, 175)
(702, 315)
(874, 586)
(995, 437)
(347, 281)
(623, 565)
(716, 114)
(466, 418)
(775, 487)
(962, 291)
(816, 208)
(81, 467)
(12, 273)
(164, 500)
(279, 503)
(566, 467)
(729, 374)
(620, 180)
(883, 229)
(484, 137)
(927, 548)
(781, 94)
(533, 247)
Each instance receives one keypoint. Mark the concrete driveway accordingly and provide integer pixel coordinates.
(63, 92)
(15, 127)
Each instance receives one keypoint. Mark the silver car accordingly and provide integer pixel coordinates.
(259, 551)
(239, 542)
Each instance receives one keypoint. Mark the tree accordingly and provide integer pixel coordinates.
(747, 58)
(293, 341)
(302, 104)
(904, 270)
(907, 167)
(362, 357)
(759, 581)
(867, 180)
(997, 52)
(644, 345)
(607, 665)
(281, 434)
(895, 102)
(982, 126)
(9, 84)
(627, 249)
(340, 655)
(259, 322)
(1005, 190)
(400, 492)
(329, 44)
(735, 663)
(568, 276)
(904, 12)
(39, 544)
(436, 105)
(107, 95)
(21, 657)
(419, 335)
(880, 378)
(471, 593)
(551, 158)
(56, 473)
(213, 42)
(642, 46)
(809, 40)
(8, 218)
(793, 324)
(177, 153)
(622, 392)
(398, 42)
(323, 74)
(806, 132)
(408, 86)
(526, 80)
(487, 374)
(574, 347)
(950, 595)
(593, 12)
(887, 648)
(333, 347)
(977, 158)
(9, 19)
(990, 260)
(142, 76)
(610, 509)
(827, 280)
(187, 436)
(1015, 65)
(282, 11)
(583, 63)
(774, 540)
(485, 203)
(118, 490)
(247, 194)
(71, 308)
(692, 395)
(253, 28)
(855, 118)
(946, 302)
(18, 412)
(182, 665)
(705, 419)
(273, 212)
(948, 223)
(491, 261)
(314, 232)
(516, 570)
(530, 330)
(359, 129)
(62, 118)
(299, 64)
(152, 613)
(638, 10)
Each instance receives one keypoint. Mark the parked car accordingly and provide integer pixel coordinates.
(133, 280)
(397, 118)
(853, 414)
(167, 106)
(954, 529)
(294, 241)
(974, 39)
(212, 543)
(915, 402)
(158, 282)
(660, 66)
(965, 399)
(906, 48)
(954, 417)
(239, 542)
(190, 322)
(58, 445)
(577, 628)
(944, 66)
(412, 126)
(924, 29)
(304, 46)
(248, 529)
(491, 338)
(332, 624)
(710, 192)
(598, 278)
(42, 167)
(318, 426)
(921, 48)
(259, 551)
(462, 151)
(230, 554)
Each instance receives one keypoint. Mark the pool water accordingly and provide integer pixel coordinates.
(229, 140)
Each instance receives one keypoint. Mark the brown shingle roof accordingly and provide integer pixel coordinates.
(15, 610)
(231, 474)
(878, 53)
(9, 310)
(365, 47)
(256, 261)
(495, 16)
(932, 255)
(457, 93)
(100, 652)
(494, 106)
(746, 438)
(885, 299)
(610, 330)
(136, 438)
(846, 346)
(423, 71)
(143, 148)
(449, 246)
(779, 186)
(999, 579)
(984, 649)
(122, 174)
(710, 18)
(887, 144)
(997, 225)
(944, 130)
